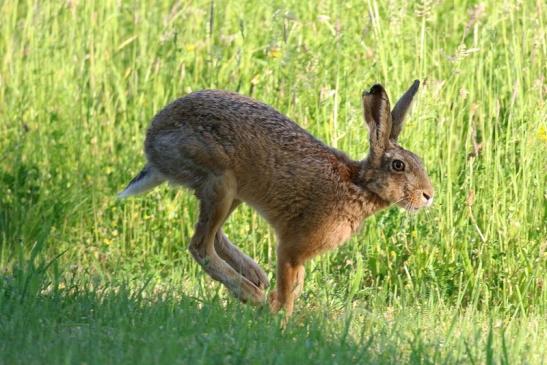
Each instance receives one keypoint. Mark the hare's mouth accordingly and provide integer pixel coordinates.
(408, 205)
(415, 201)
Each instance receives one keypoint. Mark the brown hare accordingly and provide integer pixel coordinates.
(230, 149)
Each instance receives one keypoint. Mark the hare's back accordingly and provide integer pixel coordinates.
(225, 127)
(225, 114)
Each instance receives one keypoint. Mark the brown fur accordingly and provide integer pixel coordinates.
(230, 148)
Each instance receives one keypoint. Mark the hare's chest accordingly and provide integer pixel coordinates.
(337, 232)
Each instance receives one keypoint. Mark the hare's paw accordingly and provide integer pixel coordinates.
(275, 304)
(247, 292)
(254, 273)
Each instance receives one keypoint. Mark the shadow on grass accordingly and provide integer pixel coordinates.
(51, 317)
(119, 326)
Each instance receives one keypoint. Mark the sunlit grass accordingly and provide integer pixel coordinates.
(80, 81)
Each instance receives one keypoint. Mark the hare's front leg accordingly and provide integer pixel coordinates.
(290, 282)
(216, 196)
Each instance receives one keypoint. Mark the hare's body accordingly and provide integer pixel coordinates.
(230, 148)
(295, 181)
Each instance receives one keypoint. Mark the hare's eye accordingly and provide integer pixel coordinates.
(398, 165)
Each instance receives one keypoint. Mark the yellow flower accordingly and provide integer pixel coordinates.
(542, 133)
(274, 52)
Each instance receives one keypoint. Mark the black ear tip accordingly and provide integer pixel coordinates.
(416, 84)
(377, 90)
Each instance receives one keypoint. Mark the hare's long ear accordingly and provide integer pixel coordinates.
(401, 108)
(378, 117)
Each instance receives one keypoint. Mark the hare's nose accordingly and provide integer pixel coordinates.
(428, 200)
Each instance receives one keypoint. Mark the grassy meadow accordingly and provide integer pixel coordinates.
(85, 278)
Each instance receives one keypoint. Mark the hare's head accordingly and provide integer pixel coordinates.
(393, 173)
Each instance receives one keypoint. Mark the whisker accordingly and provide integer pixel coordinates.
(403, 198)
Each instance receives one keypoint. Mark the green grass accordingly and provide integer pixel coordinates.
(89, 279)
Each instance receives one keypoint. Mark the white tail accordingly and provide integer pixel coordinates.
(145, 181)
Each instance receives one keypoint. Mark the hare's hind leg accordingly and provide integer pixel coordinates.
(216, 195)
(238, 260)
(242, 263)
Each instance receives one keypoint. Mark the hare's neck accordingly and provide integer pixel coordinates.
(355, 207)
(371, 203)
(360, 202)
(366, 203)
(357, 202)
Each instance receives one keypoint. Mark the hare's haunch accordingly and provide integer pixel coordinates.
(231, 149)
